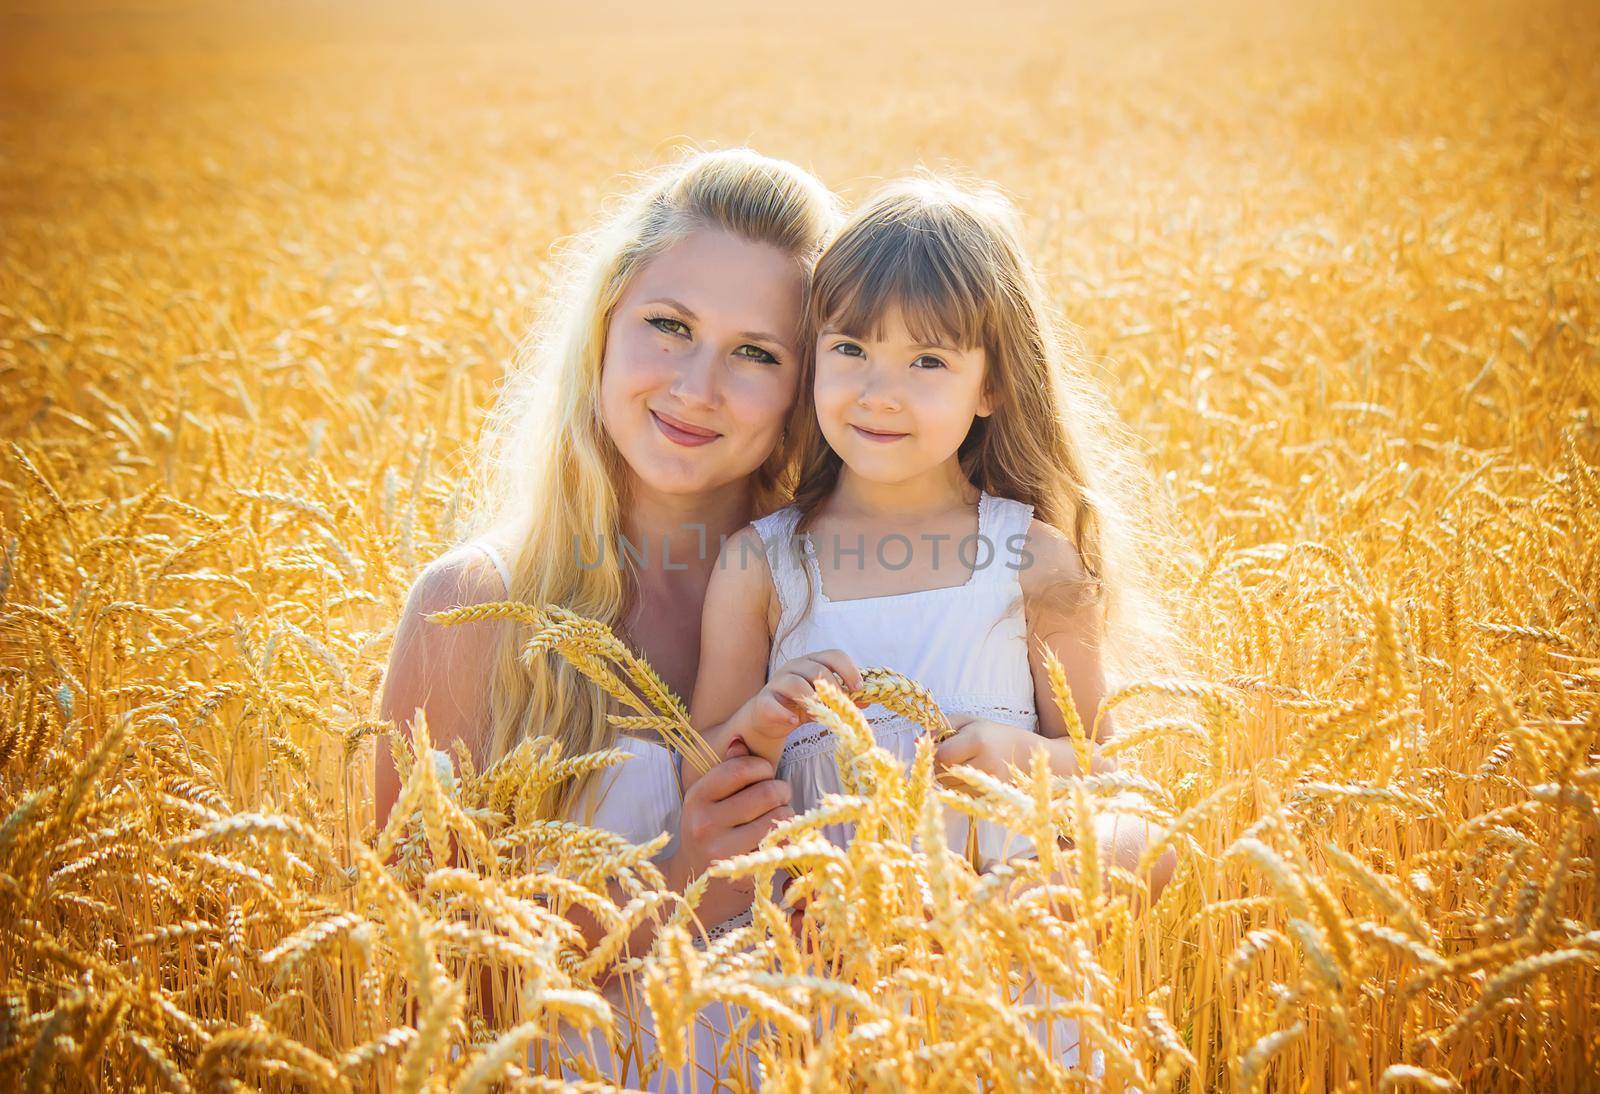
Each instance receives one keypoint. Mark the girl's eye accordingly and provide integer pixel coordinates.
(667, 325)
(756, 354)
(849, 349)
(937, 363)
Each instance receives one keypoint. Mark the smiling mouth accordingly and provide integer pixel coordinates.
(874, 435)
(683, 432)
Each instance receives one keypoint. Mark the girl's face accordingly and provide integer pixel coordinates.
(896, 409)
(701, 364)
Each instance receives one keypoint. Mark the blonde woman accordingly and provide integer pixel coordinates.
(654, 405)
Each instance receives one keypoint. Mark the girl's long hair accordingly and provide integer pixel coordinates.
(948, 253)
(550, 480)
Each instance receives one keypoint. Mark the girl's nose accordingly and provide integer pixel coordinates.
(878, 397)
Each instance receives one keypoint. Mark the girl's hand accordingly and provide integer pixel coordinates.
(768, 717)
(987, 746)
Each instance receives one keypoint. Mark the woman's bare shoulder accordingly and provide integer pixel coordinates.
(462, 576)
(442, 668)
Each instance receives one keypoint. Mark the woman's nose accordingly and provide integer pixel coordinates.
(696, 384)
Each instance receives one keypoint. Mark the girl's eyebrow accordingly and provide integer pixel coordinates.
(831, 329)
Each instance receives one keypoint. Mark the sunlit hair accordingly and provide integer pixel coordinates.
(948, 254)
(550, 478)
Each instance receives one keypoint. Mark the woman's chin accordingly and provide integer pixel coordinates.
(681, 476)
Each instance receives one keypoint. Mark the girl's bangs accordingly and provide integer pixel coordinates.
(942, 299)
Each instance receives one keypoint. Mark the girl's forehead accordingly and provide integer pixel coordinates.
(893, 318)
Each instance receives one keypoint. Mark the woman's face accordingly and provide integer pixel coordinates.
(701, 363)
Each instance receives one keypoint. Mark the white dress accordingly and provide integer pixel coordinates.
(967, 644)
(638, 799)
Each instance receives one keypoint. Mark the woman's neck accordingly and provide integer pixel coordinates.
(936, 491)
(675, 538)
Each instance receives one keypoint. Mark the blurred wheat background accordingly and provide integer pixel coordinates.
(262, 267)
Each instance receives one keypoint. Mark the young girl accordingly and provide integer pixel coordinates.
(962, 504)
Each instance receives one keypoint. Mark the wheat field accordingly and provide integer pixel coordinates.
(262, 268)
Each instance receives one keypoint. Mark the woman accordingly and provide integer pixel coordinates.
(653, 403)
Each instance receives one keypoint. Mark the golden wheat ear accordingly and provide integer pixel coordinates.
(903, 696)
(592, 648)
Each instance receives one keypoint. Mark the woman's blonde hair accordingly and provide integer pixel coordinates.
(948, 253)
(551, 479)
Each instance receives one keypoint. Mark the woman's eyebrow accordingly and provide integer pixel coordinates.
(762, 336)
(678, 304)
(752, 335)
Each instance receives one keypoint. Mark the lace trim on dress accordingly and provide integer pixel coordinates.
(810, 739)
(723, 929)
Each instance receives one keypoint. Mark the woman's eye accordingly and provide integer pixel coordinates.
(756, 354)
(849, 349)
(936, 362)
(668, 325)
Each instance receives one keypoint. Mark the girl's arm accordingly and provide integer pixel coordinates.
(1063, 609)
(734, 644)
(732, 695)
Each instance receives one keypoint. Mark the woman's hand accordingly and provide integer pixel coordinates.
(797, 914)
(725, 813)
(768, 717)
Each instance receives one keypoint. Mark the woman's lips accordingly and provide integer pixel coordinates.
(682, 432)
(881, 438)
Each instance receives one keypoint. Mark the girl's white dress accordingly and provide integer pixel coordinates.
(967, 644)
(639, 799)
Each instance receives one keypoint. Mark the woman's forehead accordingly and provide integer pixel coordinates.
(720, 277)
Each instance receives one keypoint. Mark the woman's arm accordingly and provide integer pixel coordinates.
(728, 812)
(444, 671)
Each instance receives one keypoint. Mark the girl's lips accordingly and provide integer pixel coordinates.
(881, 438)
(681, 434)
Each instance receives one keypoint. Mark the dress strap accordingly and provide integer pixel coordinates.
(1006, 530)
(777, 537)
(494, 556)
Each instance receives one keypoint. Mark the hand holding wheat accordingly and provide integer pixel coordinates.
(769, 716)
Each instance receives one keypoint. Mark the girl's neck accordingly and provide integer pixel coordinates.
(936, 491)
